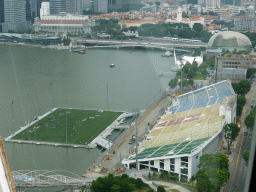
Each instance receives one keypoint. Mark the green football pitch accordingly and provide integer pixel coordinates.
(82, 126)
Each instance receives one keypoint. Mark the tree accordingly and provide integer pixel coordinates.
(173, 83)
(163, 175)
(175, 177)
(216, 167)
(139, 183)
(246, 156)
(231, 131)
(115, 188)
(149, 175)
(203, 183)
(240, 104)
(198, 27)
(155, 174)
(250, 72)
(160, 188)
(242, 87)
(249, 120)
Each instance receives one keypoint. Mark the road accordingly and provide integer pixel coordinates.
(237, 167)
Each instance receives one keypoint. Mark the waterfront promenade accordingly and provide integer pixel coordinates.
(111, 159)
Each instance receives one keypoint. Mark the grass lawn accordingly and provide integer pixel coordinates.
(174, 190)
(82, 126)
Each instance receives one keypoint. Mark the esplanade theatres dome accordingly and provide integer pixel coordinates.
(230, 40)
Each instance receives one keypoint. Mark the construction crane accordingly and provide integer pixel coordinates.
(6, 181)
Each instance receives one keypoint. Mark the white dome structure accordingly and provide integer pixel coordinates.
(230, 40)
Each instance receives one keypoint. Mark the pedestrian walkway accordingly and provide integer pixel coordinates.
(139, 174)
(124, 150)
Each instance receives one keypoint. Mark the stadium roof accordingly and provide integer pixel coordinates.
(187, 124)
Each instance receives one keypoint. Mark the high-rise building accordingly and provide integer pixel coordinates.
(28, 11)
(45, 9)
(1, 14)
(114, 5)
(87, 5)
(14, 15)
(212, 3)
(101, 6)
(74, 6)
(57, 6)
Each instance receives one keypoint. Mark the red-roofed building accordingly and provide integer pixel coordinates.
(138, 23)
(189, 21)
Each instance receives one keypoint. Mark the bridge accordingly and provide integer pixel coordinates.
(148, 43)
(43, 178)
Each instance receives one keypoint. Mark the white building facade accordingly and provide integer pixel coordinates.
(45, 9)
(64, 23)
(188, 21)
(213, 4)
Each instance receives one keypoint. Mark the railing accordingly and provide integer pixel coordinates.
(103, 156)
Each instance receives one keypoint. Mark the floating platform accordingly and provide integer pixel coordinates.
(69, 128)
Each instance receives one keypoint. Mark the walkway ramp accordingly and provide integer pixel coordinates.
(102, 142)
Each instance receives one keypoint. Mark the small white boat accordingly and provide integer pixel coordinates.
(167, 54)
(112, 65)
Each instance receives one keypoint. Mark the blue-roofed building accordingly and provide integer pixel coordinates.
(191, 126)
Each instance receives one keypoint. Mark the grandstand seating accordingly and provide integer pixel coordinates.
(193, 121)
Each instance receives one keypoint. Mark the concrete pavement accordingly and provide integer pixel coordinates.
(237, 165)
(125, 149)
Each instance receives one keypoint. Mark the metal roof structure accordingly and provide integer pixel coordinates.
(229, 39)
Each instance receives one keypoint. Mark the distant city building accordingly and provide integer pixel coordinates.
(14, 15)
(138, 23)
(114, 5)
(57, 6)
(64, 23)
(87, 5)
(231, 74)
(45, 9)
(235, 61)
(233, 67)
(247, 22)
(74, 6)
(101, 6)
(213, 3)
(247, 2)
(188, 21)
(1, 14)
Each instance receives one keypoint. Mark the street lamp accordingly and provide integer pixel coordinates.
(12, 113)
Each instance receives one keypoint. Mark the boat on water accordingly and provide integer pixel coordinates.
(112, 65)
(167, 54)
(77, 48)
(82, 52)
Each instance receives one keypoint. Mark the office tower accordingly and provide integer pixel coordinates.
(87, 5)
(28, 11)
(45, 9)
(74, 6)
(114, 5)
(14, 15)
(1, 14)
(57, 6)
(101, 6)
(213, 3)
